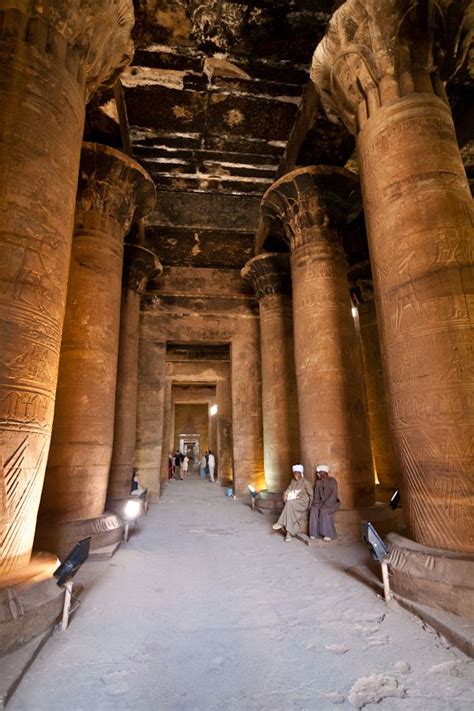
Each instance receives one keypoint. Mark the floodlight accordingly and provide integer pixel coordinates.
(376, 545)
(379, 552)
(252, 490)
(132, 509)
(73, 562)
(213, 410)
(395, 500)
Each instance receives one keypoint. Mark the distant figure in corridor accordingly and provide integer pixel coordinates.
(202, 467)
(170, 466)
(212, 465)
(297, 497)
(177, 465)
(184, 467)
(325, 504)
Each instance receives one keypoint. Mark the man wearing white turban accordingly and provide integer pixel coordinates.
(325, 504)
(297, 498)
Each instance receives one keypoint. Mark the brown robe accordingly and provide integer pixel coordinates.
(294, 509)
(325, 504)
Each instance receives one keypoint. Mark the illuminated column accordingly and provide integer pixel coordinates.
(224, 431)
(270, 277)
(247, 432)
(151, 408)
(419, 215)
(53, 56)
(312, 204)
(140, 264)
(112, 189)
(380, 434)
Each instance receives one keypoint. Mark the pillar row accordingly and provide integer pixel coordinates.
(53, 56)
(312, 204)
(112, 188)
(420, 225)
(140, 265)
(271, 280)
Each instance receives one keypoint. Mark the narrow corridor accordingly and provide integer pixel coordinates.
(207, 608)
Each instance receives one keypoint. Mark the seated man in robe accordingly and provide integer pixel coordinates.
(325, 504)
(297, 498)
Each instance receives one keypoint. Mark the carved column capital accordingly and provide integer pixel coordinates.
(140, 265)
(311, 203)
(269, 274)
(112, 185)
(376, 51)
(92, 37)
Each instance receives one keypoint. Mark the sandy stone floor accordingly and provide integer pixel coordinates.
(208, 608)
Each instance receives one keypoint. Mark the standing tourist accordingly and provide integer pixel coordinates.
(177, 465)
(202, 467)
(212, 465)
(184, 466)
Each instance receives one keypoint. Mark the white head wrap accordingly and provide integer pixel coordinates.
(298, 468)
(323, 468)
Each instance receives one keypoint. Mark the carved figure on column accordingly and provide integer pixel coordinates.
(112, 190)
(313, 204)
(379, 70)
(270, 276)
(53, 56)
(140, 265)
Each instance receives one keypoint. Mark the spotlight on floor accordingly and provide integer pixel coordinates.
(379, 552)
(395, 500)
(132, 510)
(253, 495)
(67, 570)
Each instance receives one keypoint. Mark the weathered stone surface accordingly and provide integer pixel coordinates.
(313, 203)
(112, 188)
(52, 54)
(420, 227)
(271, 279)
(140, 264)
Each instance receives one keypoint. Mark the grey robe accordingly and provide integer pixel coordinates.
(295, 508)
(325, 504)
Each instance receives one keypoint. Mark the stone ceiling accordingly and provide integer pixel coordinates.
(209, 103)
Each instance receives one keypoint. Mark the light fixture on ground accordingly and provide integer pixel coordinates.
(132, 510)
(213, 410)
(253, 495)
(379, 552)
(65, 573)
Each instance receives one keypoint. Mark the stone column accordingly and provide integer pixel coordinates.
(246, 390)
(150, 414)
(383, 452)
(270, 277)
(312, 204)
(112, 188)
(224, 431)
(53, 56)
(419, 216)
(140, 264)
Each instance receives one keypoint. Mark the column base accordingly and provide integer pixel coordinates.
(30, 602)
(347, 521)
(61, 537)
(432, 576)
(270, 500)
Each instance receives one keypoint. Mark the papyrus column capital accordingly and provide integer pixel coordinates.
(112, 185)
(140, 265)
(92, 37)
(311, 203)
(376, 51)
(269, 274)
